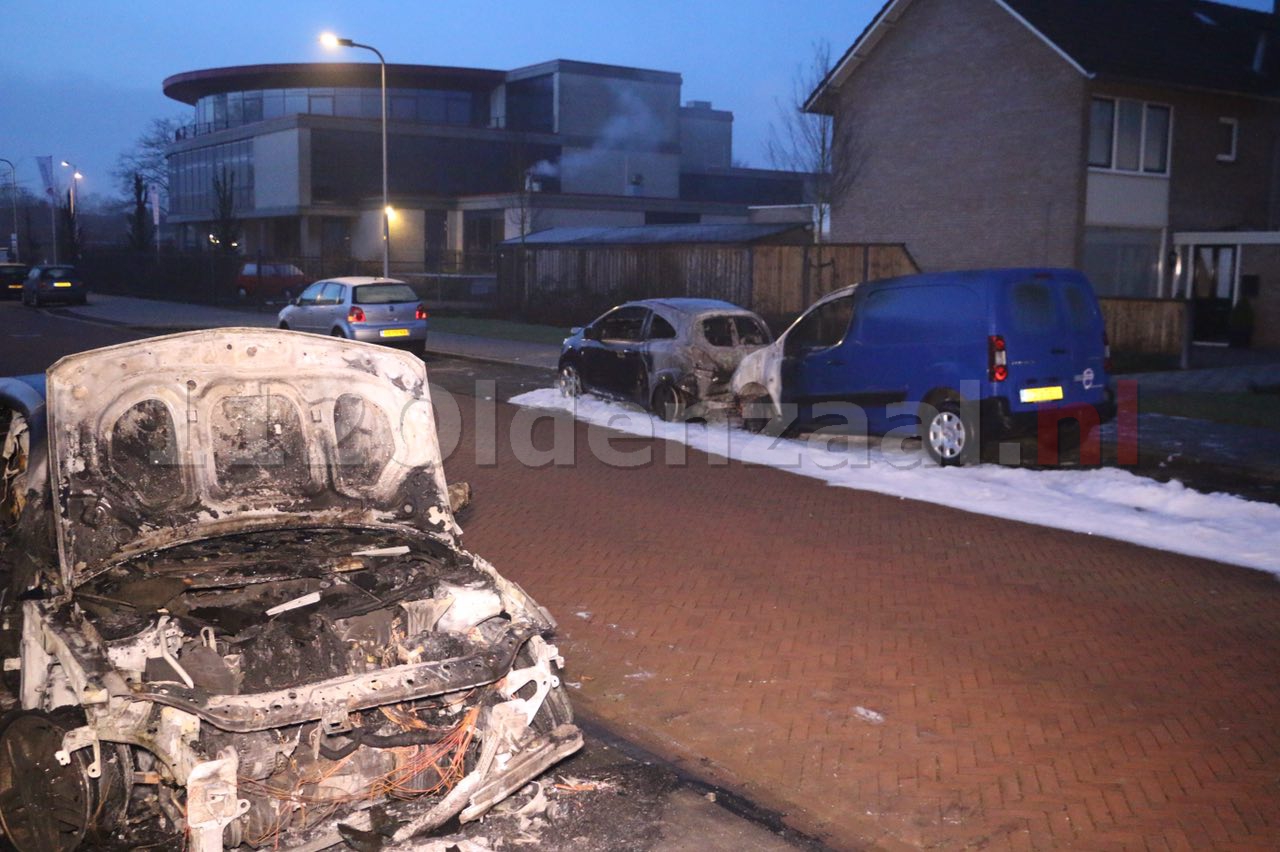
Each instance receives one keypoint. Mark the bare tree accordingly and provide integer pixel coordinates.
(147, 158)
(815, 143)
(527, 174)
(226, 225)
(141, 228)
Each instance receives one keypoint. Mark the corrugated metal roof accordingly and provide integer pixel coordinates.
(655, 234)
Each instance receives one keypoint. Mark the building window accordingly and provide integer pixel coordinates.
(1129, 136)
(1229, 130)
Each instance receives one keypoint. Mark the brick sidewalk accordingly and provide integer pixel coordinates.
(893, 674)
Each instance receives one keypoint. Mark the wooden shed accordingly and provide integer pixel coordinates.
(568, 274)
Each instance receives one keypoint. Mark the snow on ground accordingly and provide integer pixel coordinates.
(1108, 501)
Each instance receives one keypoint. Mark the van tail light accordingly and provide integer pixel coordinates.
(355, 314)
(997, 359)
(420, 312)
(1106, 353)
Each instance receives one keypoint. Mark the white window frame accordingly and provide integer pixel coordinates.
(1234, 124)
(1141, 171)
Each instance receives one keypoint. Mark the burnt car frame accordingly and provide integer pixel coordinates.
(673, 356)
(238, 607)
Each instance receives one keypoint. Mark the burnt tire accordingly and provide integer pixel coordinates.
(950, 434)
(47, 807)
(569, 379)
(668, 402)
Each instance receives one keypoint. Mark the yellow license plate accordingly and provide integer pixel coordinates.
(1040, 394)
(394, 332)
(62, 283)
(15, 286)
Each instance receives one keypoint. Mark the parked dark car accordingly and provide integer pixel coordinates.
(269, 282)
(54, 283)
(373, 310)
(673, 356)
(238, 609)
(11, 277)
(1002, 351)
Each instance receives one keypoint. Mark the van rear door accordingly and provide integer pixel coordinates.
(1047, 351)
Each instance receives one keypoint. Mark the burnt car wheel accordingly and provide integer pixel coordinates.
(570, 379)
(668, 402)
(44, 806)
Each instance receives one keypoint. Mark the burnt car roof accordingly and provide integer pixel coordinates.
(693, 306)
(174, 439)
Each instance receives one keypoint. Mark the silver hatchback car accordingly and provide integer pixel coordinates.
(373, 310)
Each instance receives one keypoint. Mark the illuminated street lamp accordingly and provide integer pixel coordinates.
(332, 41)
(75, 176)
(13, 197)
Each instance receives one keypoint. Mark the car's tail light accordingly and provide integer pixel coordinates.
(356, 314)
(1106, 352)
(997, 359)
(420, 312)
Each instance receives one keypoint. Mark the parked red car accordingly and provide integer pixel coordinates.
(269, 281)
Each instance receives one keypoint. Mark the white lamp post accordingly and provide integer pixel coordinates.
(330, 40)
(13, 197)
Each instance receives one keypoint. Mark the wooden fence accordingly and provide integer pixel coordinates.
(570, 283)
(1156, 326)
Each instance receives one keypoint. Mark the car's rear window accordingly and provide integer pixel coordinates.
(751, 332)
(734, 330)
(59, 272)
(383, 294)
(718, 330)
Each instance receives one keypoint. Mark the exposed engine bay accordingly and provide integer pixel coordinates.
(243, 677)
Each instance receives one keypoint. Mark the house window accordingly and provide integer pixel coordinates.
(1129, 136)
(1229, 134)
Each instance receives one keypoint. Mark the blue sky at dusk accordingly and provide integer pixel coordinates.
(85, 79)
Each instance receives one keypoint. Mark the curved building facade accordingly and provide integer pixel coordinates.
(475, 156)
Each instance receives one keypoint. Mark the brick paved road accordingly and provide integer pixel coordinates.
(895, 674)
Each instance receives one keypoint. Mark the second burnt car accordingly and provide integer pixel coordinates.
(673, 356)
(237, 608)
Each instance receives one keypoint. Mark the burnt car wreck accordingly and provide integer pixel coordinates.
(237, 606)
(673, 356)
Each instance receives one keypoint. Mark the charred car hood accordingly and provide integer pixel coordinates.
(191, 436)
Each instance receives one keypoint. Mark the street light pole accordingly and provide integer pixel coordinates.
(13, 197)
(331, 40)
(75, 176)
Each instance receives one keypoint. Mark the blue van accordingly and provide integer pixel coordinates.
(963, 357)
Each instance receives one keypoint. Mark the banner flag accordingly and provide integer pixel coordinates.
(46, 173)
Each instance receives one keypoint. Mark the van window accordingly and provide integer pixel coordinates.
(1080, 310)
(822, 327)
(939, 314)
(1035, 310)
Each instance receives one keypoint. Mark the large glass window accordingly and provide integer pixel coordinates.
(1122, 261)
(429, 106)
(1129, 136)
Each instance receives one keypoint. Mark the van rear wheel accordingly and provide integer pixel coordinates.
(950, 436)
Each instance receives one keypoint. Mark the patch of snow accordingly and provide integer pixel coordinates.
(869, 715)
(1109, 501)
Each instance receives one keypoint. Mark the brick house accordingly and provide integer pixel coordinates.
(1138, 140)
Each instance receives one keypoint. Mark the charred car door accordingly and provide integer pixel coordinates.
(612, 358)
